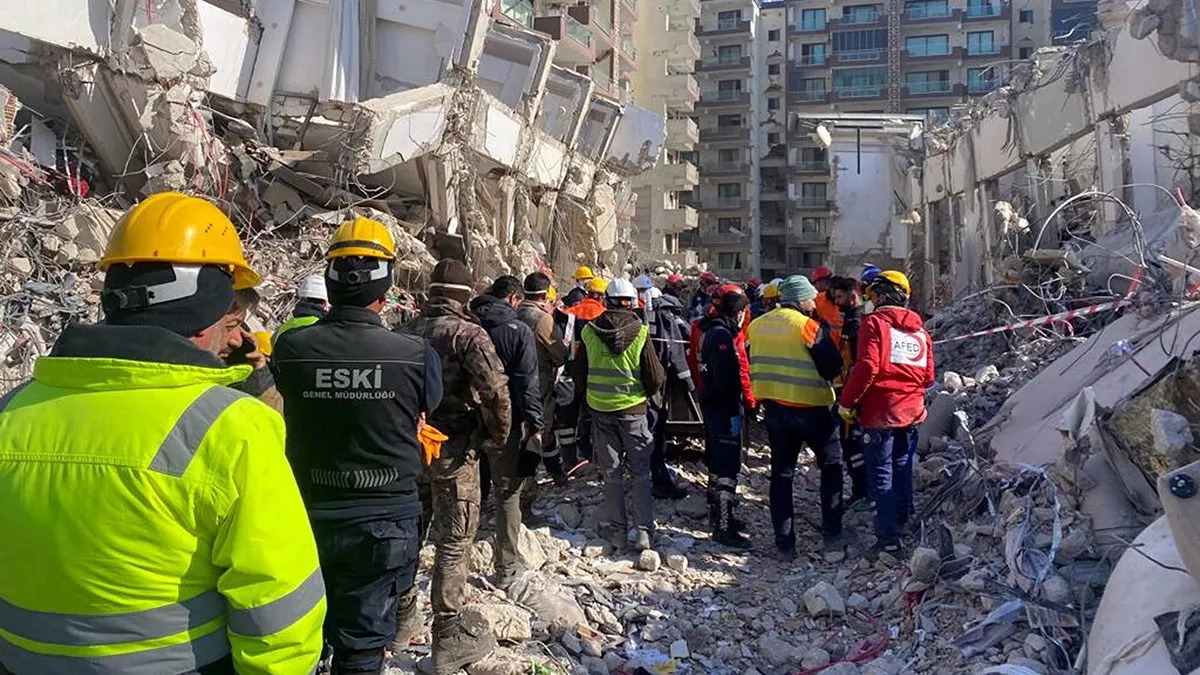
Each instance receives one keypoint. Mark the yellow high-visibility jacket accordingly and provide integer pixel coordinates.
(150, 525)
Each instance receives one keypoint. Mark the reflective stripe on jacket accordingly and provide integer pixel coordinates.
(614, 380)
(151, 525)
(781, 367)
(294, 322)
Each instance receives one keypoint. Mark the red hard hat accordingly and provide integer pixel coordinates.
(754, 282)
(675, 279)
(821, 272)
(708, 278)
(727, 289)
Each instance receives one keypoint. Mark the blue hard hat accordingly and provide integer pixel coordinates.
(869, 272)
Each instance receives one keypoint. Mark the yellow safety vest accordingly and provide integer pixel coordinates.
(781, 367)
(614, 380)
(151, 525)
(294, 322)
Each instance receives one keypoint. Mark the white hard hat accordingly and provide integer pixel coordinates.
(622, 288)
(643, 282)
(655, 293)
(314, 287)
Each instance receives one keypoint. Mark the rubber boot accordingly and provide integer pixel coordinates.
(725, 534)
(455, 646)
(714, 504)
(410, 621)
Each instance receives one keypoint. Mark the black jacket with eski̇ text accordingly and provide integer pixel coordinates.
(352, 393)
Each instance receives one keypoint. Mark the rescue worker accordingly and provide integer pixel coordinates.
(674, 286)
(845, 295)
(515, 347)
(827, 310)
(754, 294)
(770, 295)
(583, 275)
(242, 348)
(820, 278)
(354, 394)
(476, 414)
(572, 429)
(792, 360)
(151, 523)
(668, 337)
(312, 305)
(869, 272)
(619, 371)
(537, 311)
(886, 394)
(721, 359)
(702, 299)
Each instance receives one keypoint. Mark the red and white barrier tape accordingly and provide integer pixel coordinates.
(1042, 320)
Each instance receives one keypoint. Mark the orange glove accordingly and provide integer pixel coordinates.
(431, 443)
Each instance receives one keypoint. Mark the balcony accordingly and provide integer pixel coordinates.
(773, 193)
(733, 133)
(682, 176)
(993, 52)
(628, 53)
(681, 93)
(679, 220)
(810, 96)
(927, 88)
(724, 97)
(980, 87)
(812, 59)
(712, 169)
(808, 203)
(682, 50)
(724, 204)
(723, 63)
(712, 236)
(810, 26)
(520, 11)
(986, 11)
(929, 54)
(856, 19)
(682, 133)
(862, 91)
(574, 39)
(798, 235)
(858, 55)
(810, 167)
(723, 27)
(927, 14)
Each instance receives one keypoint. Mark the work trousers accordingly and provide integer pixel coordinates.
(852, 452)
(451, 500)
(659, 473)
(617, 436)
(506, 486)
(366, 567)
(789, 428)
(722, 447)
(889, 454)
(573, 432)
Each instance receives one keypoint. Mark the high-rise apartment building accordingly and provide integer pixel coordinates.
(766, 186)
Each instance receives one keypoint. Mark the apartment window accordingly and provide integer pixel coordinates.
(730, 191)
(812, 259)
(1072, 24)
(812, 19)
(859, 14)
(860, 82)
(733, 86)
(934, 115)
(729, 261)
(773, 35)
(725, 225)
(928, 45)
(728, 157)
(811, 191)
(859, 45)
(812, 155)
(1026, 16)
(981, 80)
(729, 53)
(927, 9)
(772, 68)
(772, 104)
(772, 138)
(808, 88)
(812, 54)
(729, 121)
(928, 82)
(981, 42)
(731, 15)
(812, 225)
(1024, 52)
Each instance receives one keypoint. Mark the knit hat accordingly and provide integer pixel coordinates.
(128, 289)
(452, 279)
(357, 281)
(796, 288)
(536, 282)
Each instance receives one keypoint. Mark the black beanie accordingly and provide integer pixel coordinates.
(125, 295)
(349, 284)
(452, 279)
(535, 283)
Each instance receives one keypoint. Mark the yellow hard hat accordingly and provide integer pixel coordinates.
(551, 294)
(597, 285)
(771, 292)
(362, 237)
(897, 279)
(262, 338)
(583, 273)
(176, 228)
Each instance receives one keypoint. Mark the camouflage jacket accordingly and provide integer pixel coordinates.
(475, 402)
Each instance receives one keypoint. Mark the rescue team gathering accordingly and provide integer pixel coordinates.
(183, 495)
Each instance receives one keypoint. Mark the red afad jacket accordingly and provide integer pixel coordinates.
(693, 359)
(894, 368)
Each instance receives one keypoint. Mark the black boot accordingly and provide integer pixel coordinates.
(725, 534)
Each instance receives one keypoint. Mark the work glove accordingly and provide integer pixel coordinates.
(848, 415)
(431, 443)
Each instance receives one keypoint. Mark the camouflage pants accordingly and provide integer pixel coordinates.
(450, 498)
